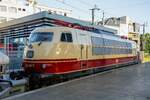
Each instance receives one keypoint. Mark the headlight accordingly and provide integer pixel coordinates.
(30, 54)
(44, 66)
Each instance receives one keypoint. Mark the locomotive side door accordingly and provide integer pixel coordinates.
(83, 42)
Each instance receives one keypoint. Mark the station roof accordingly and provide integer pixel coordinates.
(45, 14)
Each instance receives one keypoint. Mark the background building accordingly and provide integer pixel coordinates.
(36, 7)
(126, 27)
(12, 9)
(39, 8)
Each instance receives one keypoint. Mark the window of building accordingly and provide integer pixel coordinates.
(66, 37)
(12, 9)
(65, 14)
(135, 35)
(3, 8)
(19, 9)
(23, 9)
(3, 19)
(55, 12)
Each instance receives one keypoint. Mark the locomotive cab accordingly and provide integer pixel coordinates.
(47, 47)
(40, 42)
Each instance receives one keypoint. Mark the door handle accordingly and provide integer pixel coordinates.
(82, 46)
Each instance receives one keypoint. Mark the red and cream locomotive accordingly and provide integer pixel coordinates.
(62, 50)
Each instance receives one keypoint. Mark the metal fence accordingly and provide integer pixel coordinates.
(16, 59)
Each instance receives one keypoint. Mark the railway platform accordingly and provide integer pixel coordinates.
(127, 83)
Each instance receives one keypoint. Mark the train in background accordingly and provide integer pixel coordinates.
(64, 51)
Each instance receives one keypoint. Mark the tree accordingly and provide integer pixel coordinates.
(146, 39)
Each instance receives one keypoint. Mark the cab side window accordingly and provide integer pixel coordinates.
(66, 37)
(63, 37)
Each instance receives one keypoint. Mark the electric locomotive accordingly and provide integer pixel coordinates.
(60, 51)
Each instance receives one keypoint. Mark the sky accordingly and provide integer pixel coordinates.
(138, 10)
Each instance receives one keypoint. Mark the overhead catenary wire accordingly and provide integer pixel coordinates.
(76, 8)
(85, 3)
(101, 10)
(104, 14)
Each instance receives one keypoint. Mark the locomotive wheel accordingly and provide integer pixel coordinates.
(34, 81)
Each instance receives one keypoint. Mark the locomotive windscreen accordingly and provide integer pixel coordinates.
(41, 37)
